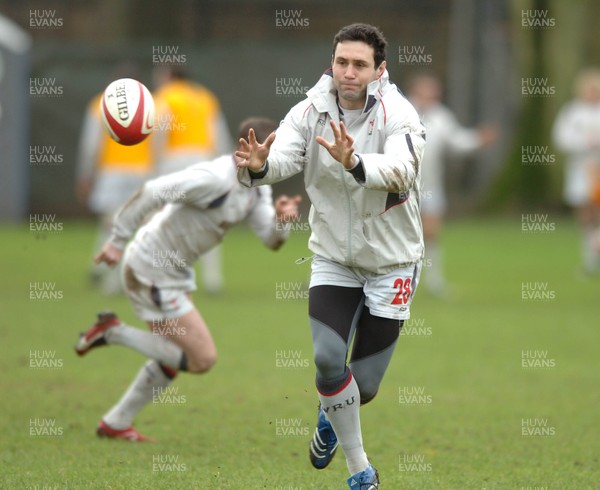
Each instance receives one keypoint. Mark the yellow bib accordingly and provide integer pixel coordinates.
(188, 112)
(112, 155)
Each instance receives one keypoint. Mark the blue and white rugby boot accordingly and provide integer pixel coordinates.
(323, 444)
(365, 480)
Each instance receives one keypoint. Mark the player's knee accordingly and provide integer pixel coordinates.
(328, 364)
(202, 364)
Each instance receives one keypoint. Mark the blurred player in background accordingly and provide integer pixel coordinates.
(445, 138)
(359, 143)
(190, 128)
(577, 133)
(107, 174)
(200, 204)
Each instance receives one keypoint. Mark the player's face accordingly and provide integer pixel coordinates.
(426, 92)
(591, 93)
(353, 69)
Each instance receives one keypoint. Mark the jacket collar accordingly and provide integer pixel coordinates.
(323, 95)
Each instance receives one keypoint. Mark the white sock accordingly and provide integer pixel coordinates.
(149, 380)
(343, 411)
(146, 343)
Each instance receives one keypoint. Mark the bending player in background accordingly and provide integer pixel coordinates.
(445, 137)
(107, 174)
(190, 127)
(366, 229)
(200, 204)
(577, 133)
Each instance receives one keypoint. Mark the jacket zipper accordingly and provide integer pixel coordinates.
(349, 199)
(349, 250)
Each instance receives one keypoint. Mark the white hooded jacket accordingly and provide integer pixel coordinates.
(367, 217)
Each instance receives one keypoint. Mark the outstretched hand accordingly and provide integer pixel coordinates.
(251, 153)
(488, 134)
(109, 254)
(342, 148)
(286, 208)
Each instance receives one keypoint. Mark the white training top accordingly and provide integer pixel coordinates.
(200, 204)
(445, 137)
(577, 133)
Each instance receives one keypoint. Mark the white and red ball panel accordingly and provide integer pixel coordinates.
(127, 111)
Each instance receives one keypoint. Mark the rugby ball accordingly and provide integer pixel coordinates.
(127, 111)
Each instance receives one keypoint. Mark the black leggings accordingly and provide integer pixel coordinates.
(338, 315)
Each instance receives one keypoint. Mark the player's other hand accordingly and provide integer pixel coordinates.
(342, 147)
(488, 134)
(286, 208)
(109, 254)
(251, 153)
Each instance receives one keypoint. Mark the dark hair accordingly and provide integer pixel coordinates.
(262, 126)
(366, 33)
(177, 73)
(172, 72)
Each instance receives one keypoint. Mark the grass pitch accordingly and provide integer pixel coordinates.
(494, 387)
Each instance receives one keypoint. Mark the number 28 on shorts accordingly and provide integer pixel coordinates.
(403, 290)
